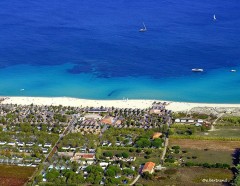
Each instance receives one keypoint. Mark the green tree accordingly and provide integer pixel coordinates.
(131, 150)
(44, 128)
(52, 175)
(138, 150)
(113, 181)
(98, 153)
(110, 173)
(128, 171)
(94, 169)
(175, 147)
(25, 127)
(125, 155)
(90, 178)
(143, 142)
(97, 179)
(39, 178)
(237, 180)
(108, 154)
(157, 143)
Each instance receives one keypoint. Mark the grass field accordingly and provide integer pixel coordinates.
(14, 175)
(189, 176)
(205, 151)
(217, 145)
(225, 131)
(205, 156)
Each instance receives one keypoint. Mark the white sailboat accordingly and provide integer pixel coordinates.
(144, 29)
(214, 17)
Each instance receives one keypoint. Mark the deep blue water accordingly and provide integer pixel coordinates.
(93, 49)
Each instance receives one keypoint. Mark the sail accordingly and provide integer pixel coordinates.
(144, 26)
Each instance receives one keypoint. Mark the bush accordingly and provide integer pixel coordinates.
(207, 165)
(139, 150)
(131, 150)
(147, 157)
(168, 160)
(108, 154)
(175, 147)
(189, 164)
(125, 155)
(176, 151)
(148, 152)
(118, 155)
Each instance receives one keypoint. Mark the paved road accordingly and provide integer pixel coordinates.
(65, 132)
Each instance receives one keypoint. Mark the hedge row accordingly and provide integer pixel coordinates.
(204, 138)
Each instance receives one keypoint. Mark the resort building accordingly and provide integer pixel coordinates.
(156, 135)
(108, 120)
(148, 167)
(93, 116)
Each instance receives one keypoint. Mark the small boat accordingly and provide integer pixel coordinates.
(22, 89)
(197, 70)
(144, 29)
(233, 70)
(214, 17)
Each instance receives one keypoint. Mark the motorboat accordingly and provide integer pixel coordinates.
(197, 70)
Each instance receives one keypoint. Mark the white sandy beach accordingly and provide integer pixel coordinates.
(75, 102)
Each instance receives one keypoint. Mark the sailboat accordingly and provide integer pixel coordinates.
(144, 29)
(214, 17)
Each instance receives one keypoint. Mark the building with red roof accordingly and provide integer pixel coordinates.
(148, 167)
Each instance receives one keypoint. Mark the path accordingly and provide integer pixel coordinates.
(214, 122)
(164, 150)
(169, 122)
(136, 179)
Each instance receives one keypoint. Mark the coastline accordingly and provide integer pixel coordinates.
(132, 103)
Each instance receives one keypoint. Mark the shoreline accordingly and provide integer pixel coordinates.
(131, 103)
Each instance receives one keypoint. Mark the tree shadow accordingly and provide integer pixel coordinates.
(236, 159)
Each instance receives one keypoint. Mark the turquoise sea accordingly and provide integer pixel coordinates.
(94, 50)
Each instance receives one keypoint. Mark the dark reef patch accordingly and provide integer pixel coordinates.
(78, 69)
(114, 92)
